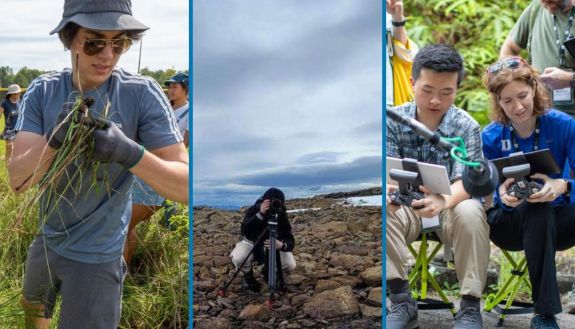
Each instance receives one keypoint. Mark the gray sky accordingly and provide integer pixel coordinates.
(26, 24)
(286, 95)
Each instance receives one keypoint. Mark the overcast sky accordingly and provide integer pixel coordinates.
(286, 94)
(25, 25)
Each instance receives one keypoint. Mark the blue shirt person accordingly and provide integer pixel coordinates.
(78, 253)
(544, 222)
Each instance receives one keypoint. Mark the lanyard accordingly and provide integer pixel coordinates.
(535, 139)
(560, 45)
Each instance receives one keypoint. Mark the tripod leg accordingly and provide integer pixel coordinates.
(280, 273)
(222, 291)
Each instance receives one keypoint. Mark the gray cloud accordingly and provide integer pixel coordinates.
(286, 96)
(359, 170)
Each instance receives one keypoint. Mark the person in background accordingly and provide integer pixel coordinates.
(10, 108)
(400, 52)
(145, 201)
(541, 29)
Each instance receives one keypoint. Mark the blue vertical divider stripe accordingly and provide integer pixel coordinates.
(383, 90)
(191, 180)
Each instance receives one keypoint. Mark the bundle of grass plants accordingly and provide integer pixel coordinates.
(77, 149)
(70, 163)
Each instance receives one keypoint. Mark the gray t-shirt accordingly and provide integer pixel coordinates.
(535, 25)
(90, 226)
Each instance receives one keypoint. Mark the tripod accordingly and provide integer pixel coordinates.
(273, 256)
(274, 259)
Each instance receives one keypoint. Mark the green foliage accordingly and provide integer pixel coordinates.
(476, 28)
(451, 289)
(155, 291)
(23, 77)
(160, 75)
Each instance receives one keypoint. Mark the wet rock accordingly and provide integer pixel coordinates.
(323, 285)
(352, 263)
(330, 229)
(332, 303)
(207, 285)
(372, 276)
(295, 279)
(370, 311)
(354, 250)
(255, 312)
(217, 323)
(374, 297)
(347, 280)
(300, 300)
(308, 323)
(334, 245)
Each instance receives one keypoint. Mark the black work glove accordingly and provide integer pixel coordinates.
(57, 133)
(111, 145)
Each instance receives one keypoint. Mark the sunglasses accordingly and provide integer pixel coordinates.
(511, 63)
(95, 46)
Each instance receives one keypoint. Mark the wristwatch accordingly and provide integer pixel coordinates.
(398, 24)
(572, 78)
(568, 186)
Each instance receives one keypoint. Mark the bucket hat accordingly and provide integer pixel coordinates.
(103, 15)
(13, 89)
(180, 77)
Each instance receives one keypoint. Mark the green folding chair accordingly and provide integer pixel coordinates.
(420, 276)
(506, 293)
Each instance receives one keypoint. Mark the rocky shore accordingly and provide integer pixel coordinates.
(337, 282)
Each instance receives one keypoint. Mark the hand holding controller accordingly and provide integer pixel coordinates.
(522, 188)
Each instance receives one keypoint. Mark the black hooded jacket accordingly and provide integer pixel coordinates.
(255, 223)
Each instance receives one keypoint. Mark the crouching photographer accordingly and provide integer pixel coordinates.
(255, 236)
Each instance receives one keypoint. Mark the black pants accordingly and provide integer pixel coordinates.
(540, 230)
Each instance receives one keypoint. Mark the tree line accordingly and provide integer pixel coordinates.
(24, 76)
(476, 28)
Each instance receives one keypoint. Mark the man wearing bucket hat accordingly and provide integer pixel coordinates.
(10, 108)
(145, 201)
(79, 253)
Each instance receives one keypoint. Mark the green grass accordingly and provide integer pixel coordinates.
(155, 293)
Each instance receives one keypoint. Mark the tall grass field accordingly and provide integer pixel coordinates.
(155, 290)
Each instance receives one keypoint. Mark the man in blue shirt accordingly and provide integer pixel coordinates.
(79, 251)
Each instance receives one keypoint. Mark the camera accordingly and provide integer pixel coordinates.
(276, 205)
(521, 188)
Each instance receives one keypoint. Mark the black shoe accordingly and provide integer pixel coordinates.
(250, 282)
(541, 322)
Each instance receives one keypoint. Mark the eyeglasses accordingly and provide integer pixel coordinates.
(511, 63)
(95, 46)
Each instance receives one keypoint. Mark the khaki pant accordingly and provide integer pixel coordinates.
(242, 249)
(464, 227)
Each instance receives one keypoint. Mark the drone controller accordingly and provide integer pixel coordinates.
(522, 188)
(408, 188)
